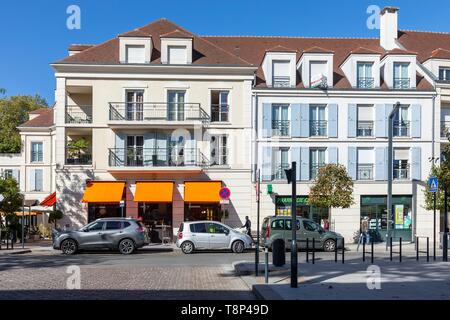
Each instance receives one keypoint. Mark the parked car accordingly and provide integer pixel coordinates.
(211, 235)
(279, 227)
(123, 234)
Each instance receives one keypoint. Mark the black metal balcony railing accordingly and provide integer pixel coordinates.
(37, 156)
(279, 173)
(220, 159)
(82, 159)
(402, 83)
(365, 83)
(401, 128)
(318, 128)
(445, 129)
(280, 128)
(78, 114)
(144, 111)
(281, 82)
(365, 171)
(401, 172)
(219, 113)
(156, 157)
(365, 129)
(314, 170)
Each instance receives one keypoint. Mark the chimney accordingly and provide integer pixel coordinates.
(389, 28)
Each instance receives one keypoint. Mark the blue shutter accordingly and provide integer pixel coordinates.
(304, 165)
(162, 151)
(380, 121)
(266, 164)
(333, 120)
(296, 156)
(416, 163)
(416, 110)
(352, 119)
(267, 120)
(120, 140)
(118, 156)
(380, 163)
(333, 155)
(32, 186)
(352, 162)
(16, 175)
(304, 120)
(39, 180)
(295, 120)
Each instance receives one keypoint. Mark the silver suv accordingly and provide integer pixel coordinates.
(123, 234)
(211, 235)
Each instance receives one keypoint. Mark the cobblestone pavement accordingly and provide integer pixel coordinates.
(102, 277)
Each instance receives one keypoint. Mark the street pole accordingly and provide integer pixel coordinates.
(445, 235)
(23, 222)
(258, 186)
(390, 171)
(434, 226)
(294, 262)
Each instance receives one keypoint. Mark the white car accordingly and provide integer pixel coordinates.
(209, 235)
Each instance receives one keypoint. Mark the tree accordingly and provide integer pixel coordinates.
(11, 203)
(442, 172)
(332, 188)
(55, 216)
(13, 112)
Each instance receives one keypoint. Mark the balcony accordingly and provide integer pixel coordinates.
(314, 170)
(365, 129)
(365, 83)
(401, 171)
(156, 157)
(402, 83)
(157, 112)
(78, 114)
(279, 173)
(318, 128)
(81, 160)
(280, 128)
(401, 128)
(281, 82)
(219, 113)
(365, 171)
(445, 129)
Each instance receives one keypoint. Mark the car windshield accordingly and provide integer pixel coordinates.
(310, 225)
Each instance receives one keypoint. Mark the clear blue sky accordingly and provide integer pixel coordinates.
(34, 33)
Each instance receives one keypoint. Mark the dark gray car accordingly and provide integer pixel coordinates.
(123, 234)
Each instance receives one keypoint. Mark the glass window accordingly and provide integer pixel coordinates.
(7, 174)
(318, 122)
(277, 224)
(317, 161)
(444, 74)
(364, 75)
(96, 226)
(281, 74)
(37, 154)
(288, 224)
(219, 150)
(198, 228)
(127, 224)
(217, 228)
(281, 163)
(135, 54)
(176, 103)
(219, 106)
(310, 226)
(280, 120)
(401, 77)
(113, 225)
(36, 177)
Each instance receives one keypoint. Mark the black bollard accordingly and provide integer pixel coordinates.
(390, 245)
(371, 250)
(307, 250)
(417, 248)
(364, 250)
(428, 249)
(400, 250)
(314, 251)
(336, 250)
(343, 251)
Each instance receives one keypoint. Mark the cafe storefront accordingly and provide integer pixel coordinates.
(103, 199)
(374, 209)
(202, 200)
(283, 208)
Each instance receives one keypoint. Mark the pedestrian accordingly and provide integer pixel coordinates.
(248, 226)
(365, 236)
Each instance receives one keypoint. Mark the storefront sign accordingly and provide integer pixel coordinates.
(287, 201)
(399, 209)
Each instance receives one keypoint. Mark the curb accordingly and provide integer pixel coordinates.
(264, 292)
(18, 252)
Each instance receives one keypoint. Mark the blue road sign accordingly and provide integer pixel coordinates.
(433, 184)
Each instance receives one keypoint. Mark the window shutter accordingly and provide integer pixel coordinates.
(32, 186)
(333, 155)
(352, 119)
(352, 162)
(416, 110)
(295, 120)
(332, 120)
(304, 166)
(135, 54)
(149, 141)
(380, 164)
(267, 164)
(39, 180)
(304, 120)
(416, 163)
(380, 121)
(177, 55)
(267, 120)
(296, 156)
(161, 146)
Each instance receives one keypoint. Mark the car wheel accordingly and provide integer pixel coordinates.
(187, 247)
(126, 246)
(69, 246)
(329, 245)
(238, 246)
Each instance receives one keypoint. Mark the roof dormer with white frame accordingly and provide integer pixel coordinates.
(398, 69)
(316, 68)
(279, 67)
(135, 47)
(362, 68)
(176, 48)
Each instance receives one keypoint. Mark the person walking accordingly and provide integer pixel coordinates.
(248, 226)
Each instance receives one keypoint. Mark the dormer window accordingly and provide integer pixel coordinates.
(401, 75)
(444, 74)
(177, 55)
(318, 72)
(364, 75)
(281, 73)
(135, 54)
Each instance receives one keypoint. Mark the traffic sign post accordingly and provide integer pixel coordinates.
(433, 186)
(225, 193)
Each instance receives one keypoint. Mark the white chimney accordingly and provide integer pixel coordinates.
(389, 28)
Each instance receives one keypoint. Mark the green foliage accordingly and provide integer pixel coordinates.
(77, 147)
(333, 188)
(55, 216)
(11, 203)
(13, 112)
(436, 171)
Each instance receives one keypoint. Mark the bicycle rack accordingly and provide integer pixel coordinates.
(418, 251)
(396, 252)
(371, 251)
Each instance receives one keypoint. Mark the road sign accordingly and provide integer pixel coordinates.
(225, 193)
(433, 184)
(122, 203)
(225, 201)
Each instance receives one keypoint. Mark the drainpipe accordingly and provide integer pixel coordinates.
(433, 129)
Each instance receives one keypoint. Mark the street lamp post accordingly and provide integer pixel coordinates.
(291, 175)
(390, 171)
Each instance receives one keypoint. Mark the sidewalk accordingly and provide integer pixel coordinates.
(38, 246)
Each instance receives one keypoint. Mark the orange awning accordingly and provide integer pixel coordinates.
(154, 191)
(32, 213)
(202, 191)
(104, 192)
(50, 201)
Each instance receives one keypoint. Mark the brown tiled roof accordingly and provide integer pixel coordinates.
(440, 54)
(424, 43)
(317, 49)
(397, 51)
(38, 111)
(80, 47)
(176, 34)
(44, 120)
(280, 49)
(135, 33)
(205, 52)
(362, 50)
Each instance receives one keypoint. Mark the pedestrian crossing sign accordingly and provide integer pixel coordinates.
(433, 184)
